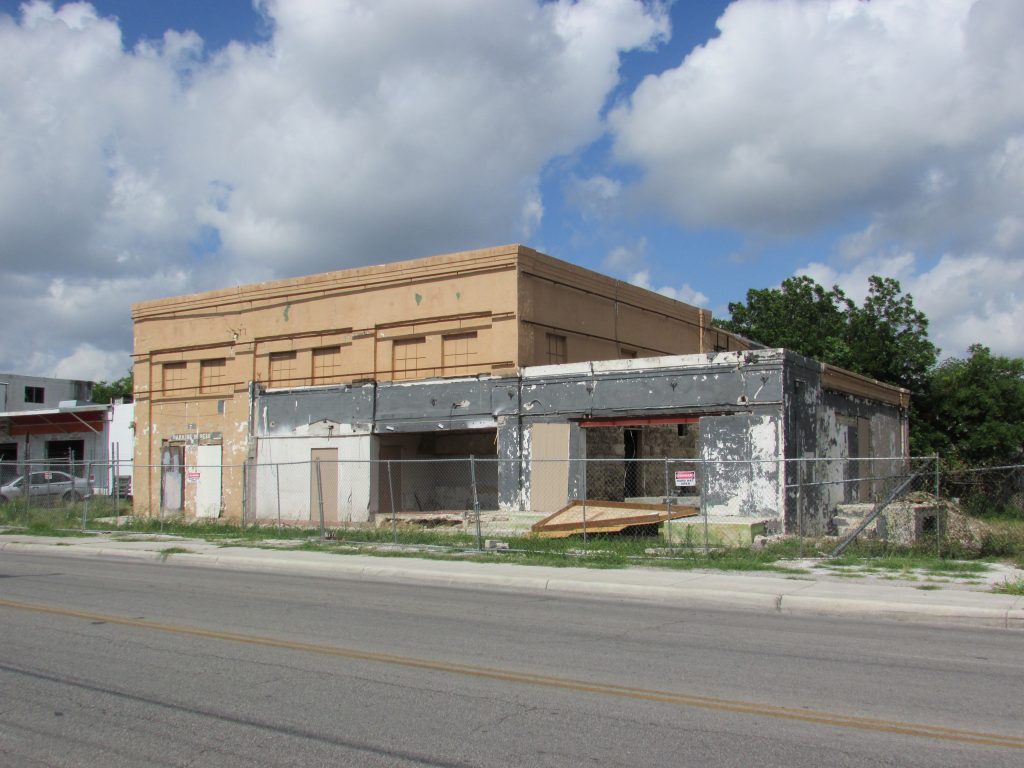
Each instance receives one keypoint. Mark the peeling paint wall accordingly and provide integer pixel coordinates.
(511, 406)
(842, 439)
(743, 474)
(755, 410)
(726, 380)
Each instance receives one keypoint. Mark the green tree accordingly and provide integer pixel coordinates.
(885, 338)
(800, 315)
(107, 392)
(973, 412)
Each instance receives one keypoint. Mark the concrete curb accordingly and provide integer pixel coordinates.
(686, 594)
(1007, 618)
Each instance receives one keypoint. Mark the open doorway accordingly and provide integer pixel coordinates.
(431, 473)
(632, 481)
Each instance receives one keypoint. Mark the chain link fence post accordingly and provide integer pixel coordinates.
(476, 501)
(85, 501)
(277, 484)
(585, 462)
(668, 507)
(320, 497)
(114, 468)
(800, 503)
(391, 498)
(160, 491)
(704, 504)
(938, 514)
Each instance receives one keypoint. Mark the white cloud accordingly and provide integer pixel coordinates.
(46, 319)
(899, 265)
(594, 196)
(92, 364)
(684, 293)
(906, 117)
(631, 258)
(359, 132)
(802, 114)
(624, 258)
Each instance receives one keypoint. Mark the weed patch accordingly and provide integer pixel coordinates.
(166, 553)
(1010, 587)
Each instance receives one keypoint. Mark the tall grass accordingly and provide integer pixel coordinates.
(1004, 540)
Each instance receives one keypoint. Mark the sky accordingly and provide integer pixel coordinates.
(699, 148)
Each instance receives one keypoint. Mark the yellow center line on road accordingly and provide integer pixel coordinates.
(680, 699)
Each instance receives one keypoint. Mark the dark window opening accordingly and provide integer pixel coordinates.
(67, 456)
(558, 350)
(34, 395)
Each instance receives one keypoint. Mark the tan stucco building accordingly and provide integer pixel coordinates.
(198, 359)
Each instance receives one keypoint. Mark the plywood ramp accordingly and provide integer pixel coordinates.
(607, 517)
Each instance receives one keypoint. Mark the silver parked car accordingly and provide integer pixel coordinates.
(49, 484)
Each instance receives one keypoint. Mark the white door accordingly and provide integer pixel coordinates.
(208, 482)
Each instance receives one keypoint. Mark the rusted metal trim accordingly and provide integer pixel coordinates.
(641, 421)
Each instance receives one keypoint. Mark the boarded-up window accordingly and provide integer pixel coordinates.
(557, 349)
(326, 365)
(459, 353)
(408, 358)
(282, 369)
(212, 374)
(173, 378)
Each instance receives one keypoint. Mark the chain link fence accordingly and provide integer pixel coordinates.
(681, 499)
(72, 490)
(985, 491)
(666, 502)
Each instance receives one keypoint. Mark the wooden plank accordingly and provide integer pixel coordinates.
(608, 517)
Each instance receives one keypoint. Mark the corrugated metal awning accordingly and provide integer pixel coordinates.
(56, 421)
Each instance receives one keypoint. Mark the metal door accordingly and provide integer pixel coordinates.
(328, 484)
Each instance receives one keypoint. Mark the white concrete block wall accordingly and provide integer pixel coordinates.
(288, 458)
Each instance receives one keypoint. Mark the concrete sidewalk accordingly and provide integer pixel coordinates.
(815, 593)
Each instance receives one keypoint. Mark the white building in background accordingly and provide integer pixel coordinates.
(46, 422)
(120, 436)
(27, 393)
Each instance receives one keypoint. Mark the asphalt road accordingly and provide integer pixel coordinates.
(119, 663)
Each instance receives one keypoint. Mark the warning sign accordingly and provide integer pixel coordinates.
(686, 478)
(192, 476)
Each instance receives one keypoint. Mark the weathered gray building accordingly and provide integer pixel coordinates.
(32, 427)
(739, 421)
(28, 393)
